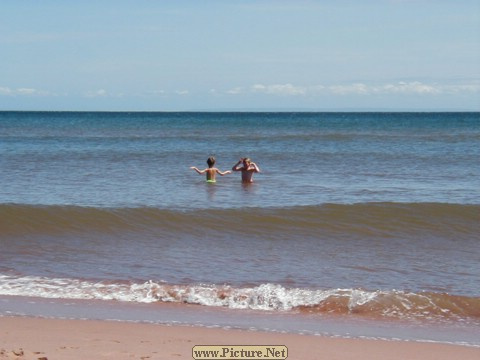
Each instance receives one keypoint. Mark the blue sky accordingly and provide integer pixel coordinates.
(240, 55)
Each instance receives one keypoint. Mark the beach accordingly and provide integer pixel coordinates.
(247, 180)
(52, 339)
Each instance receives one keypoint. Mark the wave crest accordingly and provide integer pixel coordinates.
(364, 219)
(265, 297)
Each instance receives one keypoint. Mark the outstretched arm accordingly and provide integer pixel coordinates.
(198, 171)
(224, 172)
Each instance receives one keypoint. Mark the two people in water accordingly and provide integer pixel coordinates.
(244, 165)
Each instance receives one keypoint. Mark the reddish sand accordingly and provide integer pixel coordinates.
(51, 339)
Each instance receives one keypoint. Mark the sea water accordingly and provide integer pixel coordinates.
(356, 216)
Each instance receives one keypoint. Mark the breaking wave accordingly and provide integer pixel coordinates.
(391, 304)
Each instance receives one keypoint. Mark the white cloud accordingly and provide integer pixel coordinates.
(6, 91)
(414, 87)
(286, 89)
(235, 91)
(398, 88)
(25, 91)
(182, 92)
(360, 89)
(417, 87)
(96, 93)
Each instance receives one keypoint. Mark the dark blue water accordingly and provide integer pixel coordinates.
(138, 159)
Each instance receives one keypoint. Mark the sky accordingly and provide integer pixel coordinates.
(272, 55)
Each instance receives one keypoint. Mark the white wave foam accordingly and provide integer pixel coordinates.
(262, 297)
(268, 297)
(58, 288)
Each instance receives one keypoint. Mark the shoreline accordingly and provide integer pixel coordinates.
(188, 315)
(40, 338)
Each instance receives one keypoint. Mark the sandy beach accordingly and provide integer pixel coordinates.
(41, 339)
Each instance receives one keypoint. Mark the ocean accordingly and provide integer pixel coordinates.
(358, 224)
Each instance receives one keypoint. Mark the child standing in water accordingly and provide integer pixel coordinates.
(211, 171)
(248, 168)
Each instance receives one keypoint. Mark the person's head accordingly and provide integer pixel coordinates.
(211, 161)
(246, 162)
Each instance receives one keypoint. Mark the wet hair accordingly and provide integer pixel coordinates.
(211, 161)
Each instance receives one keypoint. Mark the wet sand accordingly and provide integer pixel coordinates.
(50, 339)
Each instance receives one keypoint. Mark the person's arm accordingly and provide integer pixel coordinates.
(198, 171)
(255, 167)
(235, 167)
(223, 173)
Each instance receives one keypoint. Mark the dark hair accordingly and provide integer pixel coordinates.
(211, 161)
